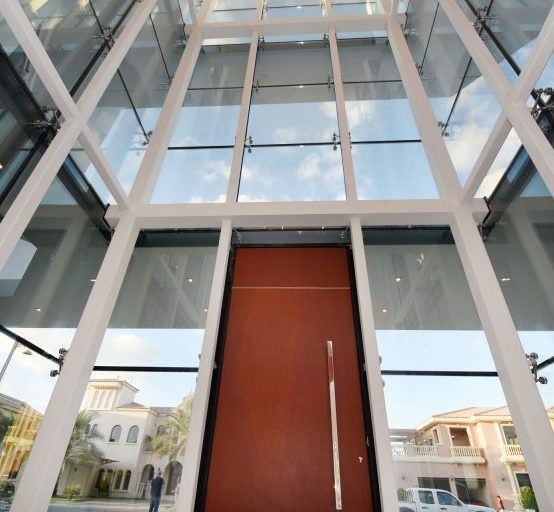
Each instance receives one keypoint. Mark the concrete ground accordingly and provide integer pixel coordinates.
(102, 505)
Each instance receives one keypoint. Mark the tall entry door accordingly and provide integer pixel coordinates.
(290, 325)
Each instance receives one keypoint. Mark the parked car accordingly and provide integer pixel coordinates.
(436, 500)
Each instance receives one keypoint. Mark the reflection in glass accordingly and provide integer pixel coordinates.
(194, 176)
(293, 173)
(520, 246)
(150, 414)
(43, 290)
(300, 114)
(445, 427)
(133, 425)
(393, 171)
(379, 111)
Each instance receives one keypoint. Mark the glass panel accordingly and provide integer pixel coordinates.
(367, 60)
(379, 111)
(287, 64)
(356, 9)
(121, 474)
(233, 15)
(220, 66)
(128, 110)
(43, 290)
(393, 171)
(208, 118)
(459, 96)
(301, 114)
(300, 11)
(426, 322)
(521, 249)
(158, 321)
(194, 176)
(294, 173)
(517, 25)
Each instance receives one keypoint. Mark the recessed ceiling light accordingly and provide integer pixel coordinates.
(398, 279)
(38, 310)
(1, 167)
(92, 280)
(205, 310)
(190, 280)
(384, 310)
(505, 279)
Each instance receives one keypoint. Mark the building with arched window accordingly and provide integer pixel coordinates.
(293, 252)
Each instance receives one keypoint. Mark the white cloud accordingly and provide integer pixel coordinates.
(310, 167)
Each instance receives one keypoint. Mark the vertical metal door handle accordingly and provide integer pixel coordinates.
(334, 432)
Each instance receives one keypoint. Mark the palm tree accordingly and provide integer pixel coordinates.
(82, 448)
(172, 435)
(6, 421)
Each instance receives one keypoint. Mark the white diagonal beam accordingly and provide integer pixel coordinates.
(497, 137)
(49, 446)
(21, 211)
(439, 160)
(100, 162)
(523, 398)
(151, 164)
(530, 74)
(537, 60)
(531, 135)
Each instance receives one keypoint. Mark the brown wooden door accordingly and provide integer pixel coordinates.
(272, 444)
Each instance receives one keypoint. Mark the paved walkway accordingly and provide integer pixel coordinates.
(107, 506)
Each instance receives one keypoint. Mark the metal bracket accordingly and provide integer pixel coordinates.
(533, 361)
(146, 140)
(483, 18)
(261, 42)
(257, 86)
(336, 141)
(106, 34)
(326, 39)
(248, 143)
(62, 354)
(47, 124)
(540, 105)
(443, 128)
(330, 81)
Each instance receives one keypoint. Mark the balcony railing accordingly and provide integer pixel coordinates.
(513, 450)
(438, 453)
(414, 450)
(465, 451)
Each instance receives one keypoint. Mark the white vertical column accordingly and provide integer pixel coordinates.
(433, 144)
(36, 485)
(347, 162)
(240, 137)
(193, 453)
(526, 407)
(385, 465)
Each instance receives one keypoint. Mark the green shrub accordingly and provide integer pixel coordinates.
(402, 494)
(7, 489)
(528, 499)
(71, 491)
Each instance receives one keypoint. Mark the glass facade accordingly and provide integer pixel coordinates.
(290, 123)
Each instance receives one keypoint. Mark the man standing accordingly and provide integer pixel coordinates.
(156, 492)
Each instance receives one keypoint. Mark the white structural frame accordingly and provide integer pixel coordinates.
(455, 207)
